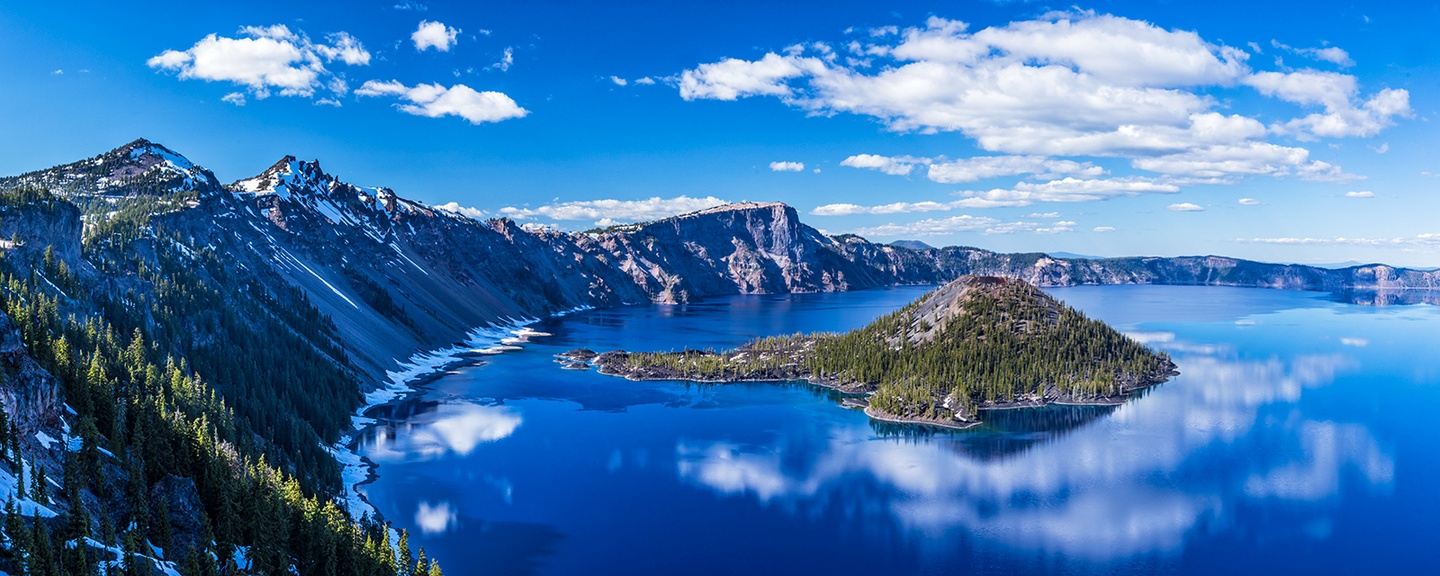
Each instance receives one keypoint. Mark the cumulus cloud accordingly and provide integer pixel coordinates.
(1066, 84)
(267, 58)
(236, 98)
(1185, 207)
(1114, 79)
(435, 101)
(456, 208)
(782, 166)
(612, 211)
(1344, 114)
(732, 78)
(432, 34)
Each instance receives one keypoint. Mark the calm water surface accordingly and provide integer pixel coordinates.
(1301, 436)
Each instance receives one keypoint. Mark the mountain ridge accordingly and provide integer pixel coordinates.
(436, 274)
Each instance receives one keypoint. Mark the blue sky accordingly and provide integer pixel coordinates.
(1108, 128)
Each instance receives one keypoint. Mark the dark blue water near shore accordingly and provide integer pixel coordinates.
(1300, 437)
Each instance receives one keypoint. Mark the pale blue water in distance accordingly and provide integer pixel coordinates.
(1300, 438)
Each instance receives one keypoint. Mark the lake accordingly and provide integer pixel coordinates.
(1299, 437)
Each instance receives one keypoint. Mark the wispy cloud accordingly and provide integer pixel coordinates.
(605, 212)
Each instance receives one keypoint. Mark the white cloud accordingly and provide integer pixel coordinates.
(456, 208)
(1067, 189)
(1066, 84)
(1419, 240)
(932, 226)
(433, 34)
(1247, 159)
(507, 59)
(784, 166)
(1249, 202)
(1332, 54)
(1345, 114)
(733, 78)
(1360, 194)
(892, 165)
(58, 72)
(983, 167)
(236, 98)
(618, 81)
(1185, 207)
(345, 48)
(964, 223)
(1103, 229)
(609, 211)
(1022, 194)
(891, 208)
(435, 100)
(266, 58)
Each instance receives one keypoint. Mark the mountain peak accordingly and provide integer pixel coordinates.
(286, 175)
(139, 167)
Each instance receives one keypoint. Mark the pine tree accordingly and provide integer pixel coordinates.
(39, 490)
(406, 559)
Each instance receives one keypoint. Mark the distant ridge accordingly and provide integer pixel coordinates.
(399, 277)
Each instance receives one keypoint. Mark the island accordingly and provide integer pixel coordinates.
(976, 343)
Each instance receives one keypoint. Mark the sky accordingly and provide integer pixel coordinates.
(1280, 131)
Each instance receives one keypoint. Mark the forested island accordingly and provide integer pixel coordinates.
(977, 342)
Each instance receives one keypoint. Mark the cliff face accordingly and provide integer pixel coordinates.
(30, 395)
(748, 248)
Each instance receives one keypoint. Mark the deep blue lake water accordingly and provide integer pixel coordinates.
(1300, 437)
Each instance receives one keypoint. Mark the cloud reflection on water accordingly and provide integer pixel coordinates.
(1094, 493)
(435, 518)
(450, 429)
